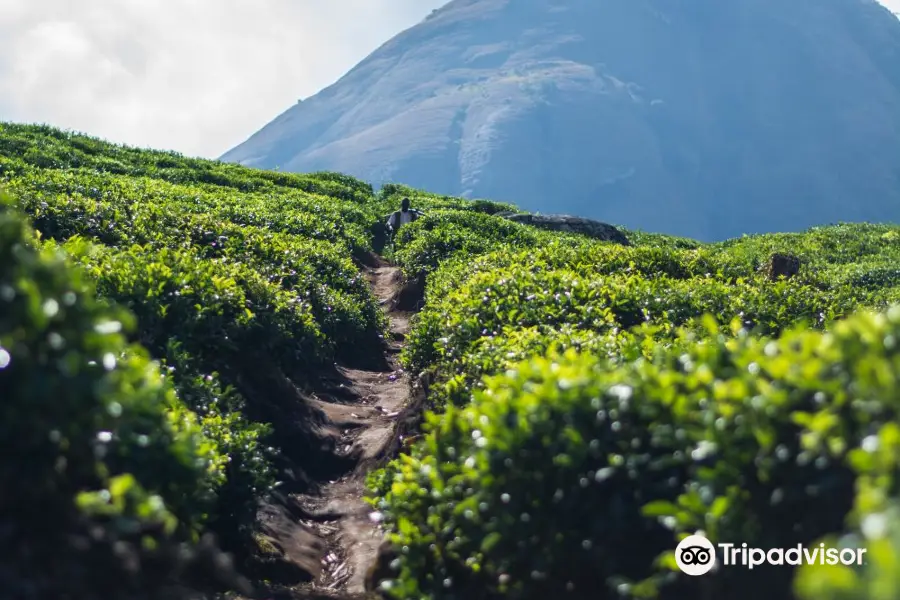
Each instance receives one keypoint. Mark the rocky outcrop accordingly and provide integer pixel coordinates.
(570, 224)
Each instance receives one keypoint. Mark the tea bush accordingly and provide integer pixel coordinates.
(392, 194)
(320, 272)
(92, 434)
(496, 354)
(247, 474)
(50, 148)
(224, 317)
(494, 502)
(103, 204)
(234, 275)
(589, 257)
(536, 487)
(877, 580)
(440, 234)
(742, 421)
(217, 311)
(827, 253)
(520, 297)
(660, 240)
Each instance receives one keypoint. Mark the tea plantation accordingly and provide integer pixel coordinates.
(589, 404)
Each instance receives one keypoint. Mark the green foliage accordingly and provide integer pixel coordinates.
(522, 297)
(496, 354)
(536, 486)
(247, 474)
(392, 194)
(235, 277)
(588, 257)
(831, 245)
(106, 205)
(49, 148)
(321, 273)
(497, 499)
(217, 311)
(88, 425)
(877, 580)
(733, 432)
(660, 240)
(440, 234)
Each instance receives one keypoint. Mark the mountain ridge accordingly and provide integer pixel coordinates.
(674, 117)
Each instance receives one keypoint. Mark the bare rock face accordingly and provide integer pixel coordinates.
(570, 224)
(698, 118)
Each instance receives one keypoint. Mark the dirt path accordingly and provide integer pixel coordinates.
(366, 409)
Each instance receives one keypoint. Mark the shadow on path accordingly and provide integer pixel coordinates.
(327, 531)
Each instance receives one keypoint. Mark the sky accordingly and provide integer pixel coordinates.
(198, 77)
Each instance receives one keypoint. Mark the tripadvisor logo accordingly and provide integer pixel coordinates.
(696, 555)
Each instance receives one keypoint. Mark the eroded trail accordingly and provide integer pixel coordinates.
(364, 410)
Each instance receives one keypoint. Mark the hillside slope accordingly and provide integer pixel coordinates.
(247, 287)
(704, 119)
(187, 348)
(191, 349)
(586, 415)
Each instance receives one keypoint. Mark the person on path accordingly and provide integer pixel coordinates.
(401, 217)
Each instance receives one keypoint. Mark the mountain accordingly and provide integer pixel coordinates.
(701, 118)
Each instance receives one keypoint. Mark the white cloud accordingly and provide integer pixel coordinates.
(198, 76)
